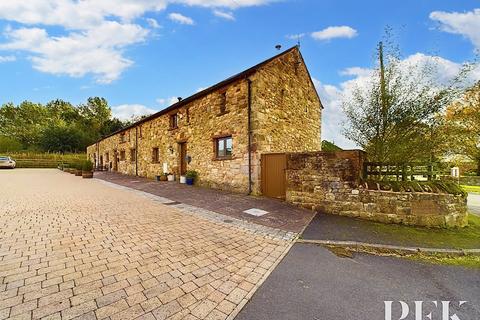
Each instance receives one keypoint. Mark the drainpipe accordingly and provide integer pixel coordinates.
(136, 150)
(249, 108)
(98, 155)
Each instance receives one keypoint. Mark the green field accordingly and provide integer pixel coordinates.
(45, 160)
(472, 189)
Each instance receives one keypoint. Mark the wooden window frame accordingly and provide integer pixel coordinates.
(216, 141)
(122, 137)
(173, 118)
(122, 155)
(133, 155)
(155, 155)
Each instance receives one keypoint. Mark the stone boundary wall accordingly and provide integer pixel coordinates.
(330, 182)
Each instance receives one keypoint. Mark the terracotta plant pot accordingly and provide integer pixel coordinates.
(87, 174)
(163, 177)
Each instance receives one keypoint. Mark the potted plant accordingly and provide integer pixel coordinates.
(163, 177)
(73, 168)
(87, 169)
(170, 177)
(78, 170)
(191, 175)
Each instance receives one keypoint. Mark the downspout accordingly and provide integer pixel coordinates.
(97, 161)
(249, 110)
(136, 150)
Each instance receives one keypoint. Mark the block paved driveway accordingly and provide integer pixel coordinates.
(72, 247)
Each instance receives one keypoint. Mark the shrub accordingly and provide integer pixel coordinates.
(87, 165)
(192, 174)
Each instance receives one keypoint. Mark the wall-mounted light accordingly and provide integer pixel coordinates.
(170, 149)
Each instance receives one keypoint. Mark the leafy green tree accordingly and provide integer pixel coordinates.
(462, 126)
(8, 144)
(330, 146)
(394, 118)
(63, 139)
(57, 126)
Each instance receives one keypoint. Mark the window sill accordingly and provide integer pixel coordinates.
(172, 129)
(223, 158)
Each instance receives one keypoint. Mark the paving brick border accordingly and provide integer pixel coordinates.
(265, 231)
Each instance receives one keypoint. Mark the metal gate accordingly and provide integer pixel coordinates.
(273, 175)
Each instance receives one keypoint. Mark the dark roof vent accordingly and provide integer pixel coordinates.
(278, 47)
(179, 99)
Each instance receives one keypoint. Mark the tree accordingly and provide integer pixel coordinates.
(56, 126)
(8, 144)
(330, 146)
(63, 139)
(394, 116)
(462, 124)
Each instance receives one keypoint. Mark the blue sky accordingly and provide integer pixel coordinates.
(140, 54)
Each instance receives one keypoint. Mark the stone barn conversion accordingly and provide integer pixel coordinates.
(234, 134)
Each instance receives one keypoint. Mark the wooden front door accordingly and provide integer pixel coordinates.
(273, 175)
(183, 158)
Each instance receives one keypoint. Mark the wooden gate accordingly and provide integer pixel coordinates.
(273, 175)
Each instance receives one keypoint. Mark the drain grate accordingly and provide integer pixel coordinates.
(171, 203)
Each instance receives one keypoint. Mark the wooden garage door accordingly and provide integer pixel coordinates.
(273, 175)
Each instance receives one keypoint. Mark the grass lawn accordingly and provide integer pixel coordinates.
(472, 189)
(459, 238)
(469, 261)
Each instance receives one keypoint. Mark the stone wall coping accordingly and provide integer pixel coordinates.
(408, 193)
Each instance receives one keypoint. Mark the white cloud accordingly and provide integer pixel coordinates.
(166, 102)
(153, 23)
(224, 14)
(356, 71)
(332, 95)
(128, 111)
(7, 59)
(231, 4)
(96, 51)
(295, 36)
(180, 18)
(90, 35)
(466, 24)
(335, 32)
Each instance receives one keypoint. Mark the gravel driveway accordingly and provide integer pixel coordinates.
(72, 247)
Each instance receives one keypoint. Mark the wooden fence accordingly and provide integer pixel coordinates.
(402, 172)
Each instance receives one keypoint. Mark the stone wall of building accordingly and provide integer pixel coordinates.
(286, 110)
(330, 182)
(199, 123)
(285, 117)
